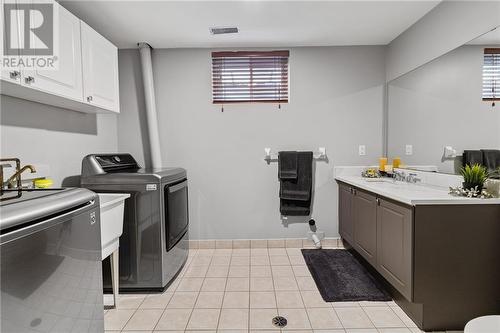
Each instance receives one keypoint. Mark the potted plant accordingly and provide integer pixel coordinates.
(474, 176)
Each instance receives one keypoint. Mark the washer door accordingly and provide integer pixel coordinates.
(176, 212)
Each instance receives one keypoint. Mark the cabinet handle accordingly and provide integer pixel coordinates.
(89, 98)
(354, 191)
(14, 74)
(29, 79)
(378, 201)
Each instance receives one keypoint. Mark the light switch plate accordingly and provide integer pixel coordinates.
(409, 150)
(362, 150)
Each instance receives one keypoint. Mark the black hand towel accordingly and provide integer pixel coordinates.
(295, 208)
(295, 194)
(300, 188)
(471, 157)
(287, 165)
(491, 159)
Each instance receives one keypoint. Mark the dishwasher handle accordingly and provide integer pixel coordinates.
(48, 222)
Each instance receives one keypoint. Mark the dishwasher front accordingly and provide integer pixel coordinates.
(51, 278)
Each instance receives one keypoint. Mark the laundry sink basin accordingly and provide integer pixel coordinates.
(112, 206)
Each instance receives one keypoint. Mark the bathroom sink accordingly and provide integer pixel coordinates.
(112, 206)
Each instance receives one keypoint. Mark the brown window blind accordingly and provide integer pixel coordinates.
(491, 74)
(246, 76)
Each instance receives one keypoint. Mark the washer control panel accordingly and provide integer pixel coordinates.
(116, 162)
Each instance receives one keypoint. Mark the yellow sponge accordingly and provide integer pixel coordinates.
(43, 183)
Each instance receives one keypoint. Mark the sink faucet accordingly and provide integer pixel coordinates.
(399, 176)
(17, 175)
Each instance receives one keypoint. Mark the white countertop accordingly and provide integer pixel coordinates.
(413, 194)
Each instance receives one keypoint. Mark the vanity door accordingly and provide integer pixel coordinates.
(365, 225)
(394, 245)
(346, 225)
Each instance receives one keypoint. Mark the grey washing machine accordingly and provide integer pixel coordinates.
(154, 243)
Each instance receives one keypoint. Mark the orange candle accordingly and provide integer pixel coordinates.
(382, 162)
(396, 162)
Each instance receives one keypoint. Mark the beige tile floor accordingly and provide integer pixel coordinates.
(241, 290)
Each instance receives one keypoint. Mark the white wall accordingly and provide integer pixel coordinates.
(448, 26)
(336, 100)
(440, 104)
(52, 139)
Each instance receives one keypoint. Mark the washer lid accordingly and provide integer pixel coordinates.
(123, 169)
(137, 176)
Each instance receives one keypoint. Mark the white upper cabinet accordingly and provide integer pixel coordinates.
(100, 70)
(66, 80)
(15, 35)
(86, 75)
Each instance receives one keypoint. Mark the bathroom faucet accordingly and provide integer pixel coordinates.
(17, 175)
(399, 176)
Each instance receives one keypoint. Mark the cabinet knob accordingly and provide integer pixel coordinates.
(29, 79)
(89, 98)
(14, 74)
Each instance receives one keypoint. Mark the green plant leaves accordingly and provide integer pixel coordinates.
(475, 174)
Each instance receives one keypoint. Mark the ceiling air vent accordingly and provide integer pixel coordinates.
(225, 30)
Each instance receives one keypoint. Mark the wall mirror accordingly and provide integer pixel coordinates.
(442, 104)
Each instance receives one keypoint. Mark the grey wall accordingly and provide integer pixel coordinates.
(53, 139)
(336, 100)
(440, 104)
(448, 26)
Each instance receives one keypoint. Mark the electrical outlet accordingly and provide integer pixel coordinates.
(362, 150)
(409, 150)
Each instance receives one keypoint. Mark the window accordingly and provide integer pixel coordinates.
(491, 75)
(243, 76)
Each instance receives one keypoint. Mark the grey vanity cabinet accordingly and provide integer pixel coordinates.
(364, 212)
(394, 245)
(429, 254)
(346, 225)
(381, 231)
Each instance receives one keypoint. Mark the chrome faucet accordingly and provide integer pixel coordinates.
(399, 176)
(17, 176)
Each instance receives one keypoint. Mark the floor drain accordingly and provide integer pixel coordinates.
(279, 321)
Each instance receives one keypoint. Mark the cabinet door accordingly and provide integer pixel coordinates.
(365, 225)
(15, 37)
(100, 70)
(346, 226)
(66, 81)
(394, 245)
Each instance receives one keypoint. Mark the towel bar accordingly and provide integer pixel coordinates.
(319, 156)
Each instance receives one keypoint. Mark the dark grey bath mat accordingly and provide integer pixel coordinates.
(341, 278)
